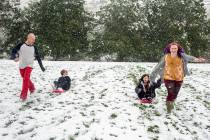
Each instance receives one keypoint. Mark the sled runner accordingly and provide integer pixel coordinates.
(58, 91)
(145, 101)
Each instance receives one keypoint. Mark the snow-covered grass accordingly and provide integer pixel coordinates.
(101, 104)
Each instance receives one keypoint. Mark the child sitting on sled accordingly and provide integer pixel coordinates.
(146, 89)
(63, 83)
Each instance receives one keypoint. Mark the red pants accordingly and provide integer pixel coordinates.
(27, 84)
(173, 88)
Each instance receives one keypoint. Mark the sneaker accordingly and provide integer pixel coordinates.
(23, 99)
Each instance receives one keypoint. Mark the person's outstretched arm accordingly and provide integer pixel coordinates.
(38, 59)
(157, 84)
(68, 83)
(138, 89)
(157, 69)
(190, 58)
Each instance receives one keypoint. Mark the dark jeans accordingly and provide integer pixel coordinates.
(173, 88)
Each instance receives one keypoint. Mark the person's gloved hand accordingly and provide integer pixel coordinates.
(16, 59)
(159, 80)
(43, 69)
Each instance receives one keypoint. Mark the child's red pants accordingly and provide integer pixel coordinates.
(26, 84)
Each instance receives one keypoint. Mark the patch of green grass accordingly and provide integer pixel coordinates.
(194, 132)
(166, 123)
(155, 138)
(90, 75)
(207, 104)
(208, 127)
(181, 131)
(83, 114)
(86, 125)
(178, 108)
(133, 77)
(4, 134)
(71, 138)
(105, 105)
(95, 138)
(153, 129)
(113, 135)
(141, 69)
(92, 113)
(174, 125)
(195, 124)
(9, 123)
(144, 106)
(198, 97)
(157, 113)
(113, 116)
(26, 105)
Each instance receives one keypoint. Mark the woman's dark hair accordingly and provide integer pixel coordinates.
(144, 75)
(180, 49)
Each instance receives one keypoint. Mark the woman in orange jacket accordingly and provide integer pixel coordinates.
(172, 69)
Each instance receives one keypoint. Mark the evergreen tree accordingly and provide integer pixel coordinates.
(14, 25)
(121, 23)
(5, 12)
(132, 30)
(172, 20)
(17, 29)
(61, 27)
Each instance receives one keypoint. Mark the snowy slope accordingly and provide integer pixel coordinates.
(101, 105)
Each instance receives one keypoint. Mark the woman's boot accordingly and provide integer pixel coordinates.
(170, 106)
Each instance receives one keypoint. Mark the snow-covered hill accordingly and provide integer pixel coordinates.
(101, 105)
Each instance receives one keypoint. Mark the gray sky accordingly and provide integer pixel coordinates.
(207, 5)
(206, 2)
